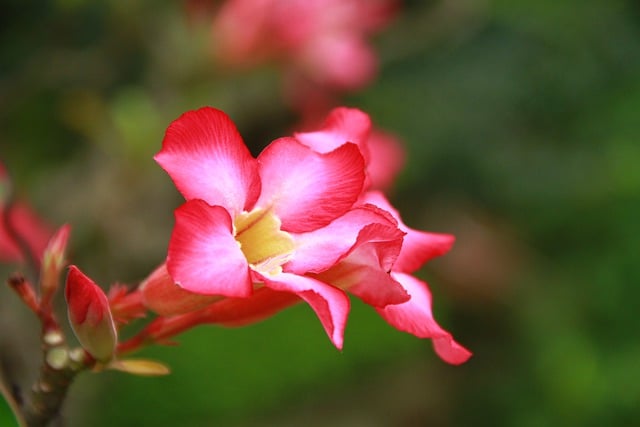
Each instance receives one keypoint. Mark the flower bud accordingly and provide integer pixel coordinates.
(90, 316)
(53, 261)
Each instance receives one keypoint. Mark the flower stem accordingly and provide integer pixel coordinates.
(59, 367)
(161, 329)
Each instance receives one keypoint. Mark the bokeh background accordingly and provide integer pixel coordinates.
(521, 120)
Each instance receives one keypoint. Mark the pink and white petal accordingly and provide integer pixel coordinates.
(415, 317)
(318, 250)
(368, 282)
(205, 156)
(341, 125)
(204, 257)
(330, 304)
(419, 246)
(308, 190)
(365, 271)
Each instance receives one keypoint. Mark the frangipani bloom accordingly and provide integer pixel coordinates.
(267, 232)
(323, 41)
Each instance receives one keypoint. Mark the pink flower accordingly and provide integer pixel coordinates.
(293, 224)
(324, 41)
(277, 221)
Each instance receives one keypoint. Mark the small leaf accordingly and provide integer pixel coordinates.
(143, 367)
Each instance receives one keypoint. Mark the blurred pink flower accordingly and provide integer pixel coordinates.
(24, 225)
(321, 41)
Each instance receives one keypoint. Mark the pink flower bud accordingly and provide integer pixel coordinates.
(53, 261)
(90, 316)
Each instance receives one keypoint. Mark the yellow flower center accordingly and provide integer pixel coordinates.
(263, 244)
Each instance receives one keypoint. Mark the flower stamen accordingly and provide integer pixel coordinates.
(264, 245)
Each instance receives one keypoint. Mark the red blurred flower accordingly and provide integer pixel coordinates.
(19, 225)
(320, 41)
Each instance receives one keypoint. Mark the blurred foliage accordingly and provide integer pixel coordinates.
(522, 123)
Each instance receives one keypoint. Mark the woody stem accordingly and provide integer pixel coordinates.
(59, 367)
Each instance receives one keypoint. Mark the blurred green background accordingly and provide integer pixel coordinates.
(522, 124)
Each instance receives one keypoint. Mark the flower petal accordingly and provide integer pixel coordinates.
(365, 271)
(306, 189)
(415, 317)
(317, 250)
(203, 255)
(341, 125)
(204, 154)
(419, 246)
(330, 304)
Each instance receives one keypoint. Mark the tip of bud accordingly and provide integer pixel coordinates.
(58, 243)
